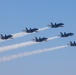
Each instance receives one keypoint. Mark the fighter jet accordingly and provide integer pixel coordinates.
(66, 34)
(56, 25)
(6, 37)
(72, 43)
(40, 39)
(30, 30)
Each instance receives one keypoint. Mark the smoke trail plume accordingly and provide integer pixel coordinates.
(15, 46)
(24, 44)
(2, 59)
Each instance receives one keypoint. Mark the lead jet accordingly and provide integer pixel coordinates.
(6, 37)
(30, 30)
(66, 34)
(72, 43)
(40, 39)
(56, 25)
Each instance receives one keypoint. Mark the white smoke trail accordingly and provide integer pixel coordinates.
(41, 29)
(3, 59)
(20, 34)
(15, 46)
(24, 44)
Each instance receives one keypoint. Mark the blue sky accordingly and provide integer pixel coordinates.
(15, 15)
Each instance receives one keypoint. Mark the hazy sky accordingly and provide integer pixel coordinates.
(15, 15)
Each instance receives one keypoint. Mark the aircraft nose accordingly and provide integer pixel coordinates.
(62, 23)
(72, 33)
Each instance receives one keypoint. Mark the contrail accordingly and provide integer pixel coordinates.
(7, 58)
(24, 44)
(20, 34)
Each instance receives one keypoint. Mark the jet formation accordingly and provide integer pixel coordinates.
(30, 30)
(40, 39)
(56, 25)
(66, 34)
(72, 43)
(6, 37)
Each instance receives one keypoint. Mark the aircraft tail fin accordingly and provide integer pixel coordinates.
(61, 33)
(51, 24)
(74, 42)
(36, 38)
(5, 35)
(39, 38)
(26, 29)
(64, 33)
(71, 43)
(30, 29)
(55, 24)
(1, 35)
